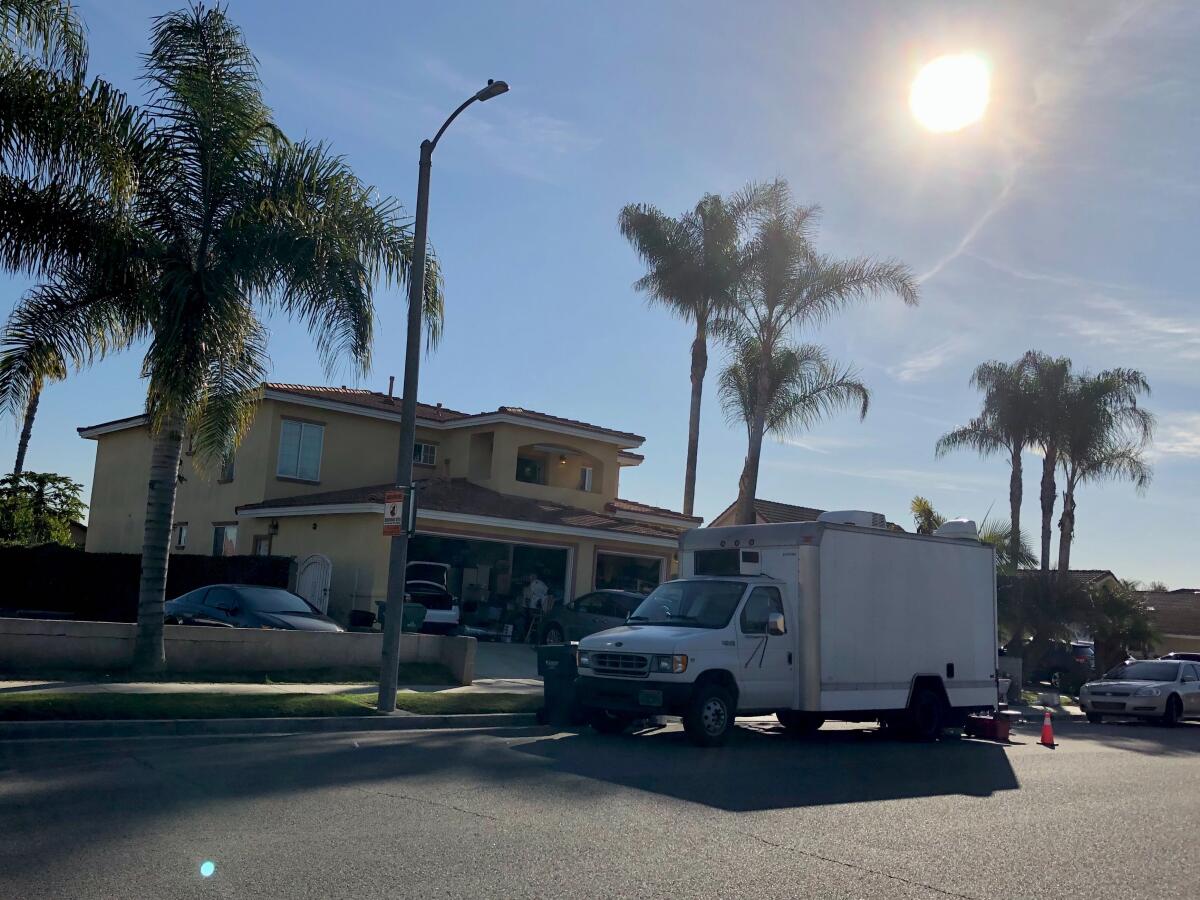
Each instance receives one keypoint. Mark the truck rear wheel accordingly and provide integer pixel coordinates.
(926, 715)
(709, 716)
(799, 723)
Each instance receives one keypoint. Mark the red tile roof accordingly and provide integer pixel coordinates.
(1174, 612)
(619, 506)
(457, 495)
(380, 402)
(367, 399)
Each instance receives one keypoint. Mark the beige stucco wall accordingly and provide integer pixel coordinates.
(117, 509)
(562, 479)
(357, 451)
(39, 644)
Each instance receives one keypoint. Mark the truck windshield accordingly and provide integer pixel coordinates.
(697, 604)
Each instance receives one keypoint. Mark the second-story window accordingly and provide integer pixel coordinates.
(424, 454)
(227, 467)
(585, 478)
(180, 535)
(531, 471)
(300, 450)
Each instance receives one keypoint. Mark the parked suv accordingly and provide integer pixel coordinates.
(597, 611)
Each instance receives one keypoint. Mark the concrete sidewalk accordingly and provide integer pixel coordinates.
(481, 686)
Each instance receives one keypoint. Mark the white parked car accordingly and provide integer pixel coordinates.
(1163, 689)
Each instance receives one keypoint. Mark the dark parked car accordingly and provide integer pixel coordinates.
(247, 606)
(1189, 656)
(1063, 658)
(588, 614)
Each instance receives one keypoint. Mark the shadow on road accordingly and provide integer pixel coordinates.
(763, 768)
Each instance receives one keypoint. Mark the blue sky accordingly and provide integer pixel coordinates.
(1064, 221)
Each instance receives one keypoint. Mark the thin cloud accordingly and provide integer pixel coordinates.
(1178, 435)
(917, 480)
(923, 363)
(968, 238)
(824, 444)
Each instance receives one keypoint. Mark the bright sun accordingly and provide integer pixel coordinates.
(951, 92)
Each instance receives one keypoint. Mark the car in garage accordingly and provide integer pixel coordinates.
(587, 614)
(1164, 689)
(246, 606)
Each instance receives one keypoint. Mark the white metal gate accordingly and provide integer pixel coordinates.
(312, 580)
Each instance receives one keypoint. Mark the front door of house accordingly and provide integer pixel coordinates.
(767, 675)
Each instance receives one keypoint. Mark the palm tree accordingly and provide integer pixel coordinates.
(228, 219)
(48, 32)
(999, 534)
(784, 284)
(692, 267)
(1051, 379)
(995, 532)
(1006, 424)
(1104, 435)
(926, 519)
(63, 150)
(802, 387)
(1119, 622)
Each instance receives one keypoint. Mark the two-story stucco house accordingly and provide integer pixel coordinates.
(504, 495)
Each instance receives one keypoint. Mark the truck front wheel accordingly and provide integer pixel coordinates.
(709, 716)
(799, 723)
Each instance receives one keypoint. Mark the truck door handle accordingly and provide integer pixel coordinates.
(789, 657)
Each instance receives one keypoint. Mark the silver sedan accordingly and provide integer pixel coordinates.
(1166, 690)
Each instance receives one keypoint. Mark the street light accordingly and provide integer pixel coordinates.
(398, 551)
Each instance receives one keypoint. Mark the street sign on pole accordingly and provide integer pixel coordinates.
(400, 512)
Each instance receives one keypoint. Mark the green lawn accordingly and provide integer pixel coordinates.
(410, 673)
(38, 706)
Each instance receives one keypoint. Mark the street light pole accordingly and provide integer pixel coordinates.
(398, 550)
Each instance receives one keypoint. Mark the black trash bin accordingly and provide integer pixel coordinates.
(556, 665)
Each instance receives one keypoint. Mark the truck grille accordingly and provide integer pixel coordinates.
(621, 665)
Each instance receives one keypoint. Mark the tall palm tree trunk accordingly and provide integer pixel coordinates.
(1049, 496)
(699, 368)
(748, 483)
(148, 654)
(1015, 489)
(31, 408)
(1066, 529)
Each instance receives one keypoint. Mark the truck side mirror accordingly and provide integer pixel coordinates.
(775, 624)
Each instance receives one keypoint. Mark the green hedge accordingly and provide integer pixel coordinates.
(103, 587)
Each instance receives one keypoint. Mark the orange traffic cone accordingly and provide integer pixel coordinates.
(1047, 732)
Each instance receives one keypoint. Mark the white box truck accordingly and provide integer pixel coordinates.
(838, 619)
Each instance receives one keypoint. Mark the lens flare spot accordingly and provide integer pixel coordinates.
(207, 868)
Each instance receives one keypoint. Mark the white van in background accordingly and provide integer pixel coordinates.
(841, 618)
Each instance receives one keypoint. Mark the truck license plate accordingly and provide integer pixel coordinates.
(650, 698)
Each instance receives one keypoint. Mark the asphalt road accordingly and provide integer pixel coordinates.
(1114, 812)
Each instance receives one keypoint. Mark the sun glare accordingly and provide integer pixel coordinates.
(951, 92)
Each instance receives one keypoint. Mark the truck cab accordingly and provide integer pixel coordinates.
(680, 649)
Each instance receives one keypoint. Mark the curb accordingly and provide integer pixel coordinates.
(123, 728)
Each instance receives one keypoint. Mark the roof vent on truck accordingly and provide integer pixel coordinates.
(859, 517)
(963, 529)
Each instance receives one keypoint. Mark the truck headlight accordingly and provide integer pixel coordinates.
(1147, 692)
(675, 665)
(583, 659)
